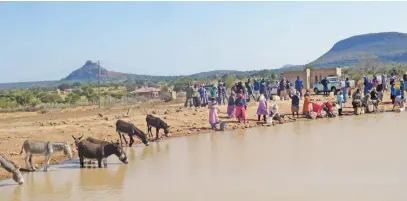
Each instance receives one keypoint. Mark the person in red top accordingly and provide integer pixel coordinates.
(330, 109)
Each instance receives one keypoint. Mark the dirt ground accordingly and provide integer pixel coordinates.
(60, 124)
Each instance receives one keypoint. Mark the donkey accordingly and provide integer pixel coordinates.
(96, 141)
(35, 147)
(100, 152)
(158, 124)
(77, 140)
(131, 130)
(10, 167)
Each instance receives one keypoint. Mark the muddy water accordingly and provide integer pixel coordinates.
(352, 158)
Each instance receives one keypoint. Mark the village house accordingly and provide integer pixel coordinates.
(148, 92)
(312, 76)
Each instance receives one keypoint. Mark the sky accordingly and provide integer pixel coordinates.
(48, 40)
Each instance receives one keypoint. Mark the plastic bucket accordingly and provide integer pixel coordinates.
(222, 126)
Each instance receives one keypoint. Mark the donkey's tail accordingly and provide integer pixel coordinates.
(22, 149)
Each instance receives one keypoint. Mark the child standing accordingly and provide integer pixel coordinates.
(213, 113)
(262, 109)
(240, 108)
(339, 101)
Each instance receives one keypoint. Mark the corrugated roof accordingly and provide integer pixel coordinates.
(147, 89)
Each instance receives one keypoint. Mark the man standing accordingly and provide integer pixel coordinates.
(249, 90)
(256, 89)
(190, 90)
(282, 88)
(324, 83)
(299, 86)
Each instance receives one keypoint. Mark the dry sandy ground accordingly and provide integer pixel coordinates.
(60, 125)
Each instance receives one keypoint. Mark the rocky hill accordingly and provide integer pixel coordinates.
(385, 46)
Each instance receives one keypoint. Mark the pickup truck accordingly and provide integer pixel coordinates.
(334, 84)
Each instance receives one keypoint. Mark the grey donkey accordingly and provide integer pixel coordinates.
(10, 167)
(35, 147)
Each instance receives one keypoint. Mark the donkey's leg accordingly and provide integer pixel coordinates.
(27, 156)
(156, 132)
(81, 161)
(105, 162)
(124, 137)
(120, 136)
(47, 159)
(131, 140)
(31, 162)
(100, 162)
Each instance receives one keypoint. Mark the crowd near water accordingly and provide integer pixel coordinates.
(365, 97)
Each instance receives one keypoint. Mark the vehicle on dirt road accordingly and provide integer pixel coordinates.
(334, 84)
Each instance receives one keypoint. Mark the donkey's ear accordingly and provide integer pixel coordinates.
(168, 126)
(73, 137)
(80, 137)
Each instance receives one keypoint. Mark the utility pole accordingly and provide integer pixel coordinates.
(99, 83)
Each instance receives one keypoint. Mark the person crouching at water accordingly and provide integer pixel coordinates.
(213, 113)
(273, 113)
(399, 101)
(262, 108)
(240, 108)
(295, 103)
(357, 101)
(306, 107)
(231, 105)
(339, 101)
(329, 109)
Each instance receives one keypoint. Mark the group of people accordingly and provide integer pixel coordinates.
(261, 91)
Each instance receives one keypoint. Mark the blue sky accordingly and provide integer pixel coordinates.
(48, 40)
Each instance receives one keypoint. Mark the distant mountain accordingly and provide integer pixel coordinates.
(289, 67)
(387, 47)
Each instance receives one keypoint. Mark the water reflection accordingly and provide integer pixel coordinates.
(351, 158)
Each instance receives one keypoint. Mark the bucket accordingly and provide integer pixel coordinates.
(313, 115)
(370, 107)
(222, 126)
(357, 110)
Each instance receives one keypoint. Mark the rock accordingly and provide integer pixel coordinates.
(194, 113)
(166, 112)
(111, 126)
(64, 122)
(189, 132)
(100, 115)
(107, 118)
(154, 112)
(165, 117)
(198, 129)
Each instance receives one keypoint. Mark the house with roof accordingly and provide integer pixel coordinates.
(148, 92)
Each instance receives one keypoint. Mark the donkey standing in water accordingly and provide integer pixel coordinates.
(131, 130)
(10, 167)
(100, 152)
(157, 123)
(35, 147)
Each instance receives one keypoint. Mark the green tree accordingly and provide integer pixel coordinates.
(72, 98)
(64, 86)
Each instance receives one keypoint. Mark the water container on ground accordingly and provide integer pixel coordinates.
(222, 126)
